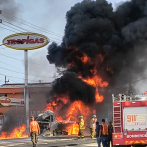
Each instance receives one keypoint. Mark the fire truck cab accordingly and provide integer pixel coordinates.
(129, 120)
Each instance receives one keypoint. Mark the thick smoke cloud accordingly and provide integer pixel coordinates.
(93, 28)
(74, 87)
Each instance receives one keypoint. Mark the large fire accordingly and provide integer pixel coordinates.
(96, 82)
(71, 110)
(18, 132)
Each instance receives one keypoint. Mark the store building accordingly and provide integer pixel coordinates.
(38, 95)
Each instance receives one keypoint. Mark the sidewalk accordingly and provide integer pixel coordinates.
(50, 141)
(86, 145)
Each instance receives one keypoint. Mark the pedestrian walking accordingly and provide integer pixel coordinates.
(103, 134)
(93, 126)
(97, 134)
(81, 127)
(34, 131)
(110, 131)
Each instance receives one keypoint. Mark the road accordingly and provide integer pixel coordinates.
(50, 142)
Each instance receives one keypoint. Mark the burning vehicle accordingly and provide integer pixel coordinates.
(100, 45)
(49, 125)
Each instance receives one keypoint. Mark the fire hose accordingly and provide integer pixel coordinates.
(87, 127)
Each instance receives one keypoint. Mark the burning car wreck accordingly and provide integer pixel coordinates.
(50, 126)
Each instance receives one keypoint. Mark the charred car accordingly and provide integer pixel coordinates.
(48, 123)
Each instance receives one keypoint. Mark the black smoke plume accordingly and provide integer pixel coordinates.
(74, 87)
(93, 29)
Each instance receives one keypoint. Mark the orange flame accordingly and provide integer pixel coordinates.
(73, 129)
(85, 58)
(78, 107)
(96, 81)
(18, 132)
(74, 109)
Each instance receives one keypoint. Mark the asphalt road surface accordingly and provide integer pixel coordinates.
(65, 141)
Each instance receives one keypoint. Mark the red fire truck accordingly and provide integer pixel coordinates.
(130, 120)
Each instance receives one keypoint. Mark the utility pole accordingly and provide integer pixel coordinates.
(0, 13)
(6, 80)
(26, 94)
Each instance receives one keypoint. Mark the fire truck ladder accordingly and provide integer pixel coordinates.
(117, 119)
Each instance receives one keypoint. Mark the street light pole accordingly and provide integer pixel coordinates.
(26, 94)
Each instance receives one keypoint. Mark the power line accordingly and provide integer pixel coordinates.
(1, 81)
(14, 77)
(16, 32)
(23, 61)
(10, 65)
(22, 73)
(22, 29)
(10, 27)
(12, 80)
(14, 25)
(7, 29)
(31, 25)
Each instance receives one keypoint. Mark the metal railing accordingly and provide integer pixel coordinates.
(123, 97)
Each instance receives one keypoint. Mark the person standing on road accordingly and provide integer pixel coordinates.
(110, 131)
(97, 134)
(34, 131)
(103, 134)
(81, 127)
(93, 125)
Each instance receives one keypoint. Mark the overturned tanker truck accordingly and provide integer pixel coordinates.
(49, 125)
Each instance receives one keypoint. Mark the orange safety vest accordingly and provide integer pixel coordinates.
(104, 129)
(34, 126)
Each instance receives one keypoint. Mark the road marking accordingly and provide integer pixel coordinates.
(13, 144)
(42, 143)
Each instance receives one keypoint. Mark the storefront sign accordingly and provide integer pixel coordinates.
(5, 101)
(25, 41)
(136, 119)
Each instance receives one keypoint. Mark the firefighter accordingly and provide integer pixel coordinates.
(34, 131)
(103, 134)
(81, 127)
(93, 125)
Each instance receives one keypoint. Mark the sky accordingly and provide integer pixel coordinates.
(45, 17)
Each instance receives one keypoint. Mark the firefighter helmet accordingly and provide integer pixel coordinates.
(80, 116)
(94, 115)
